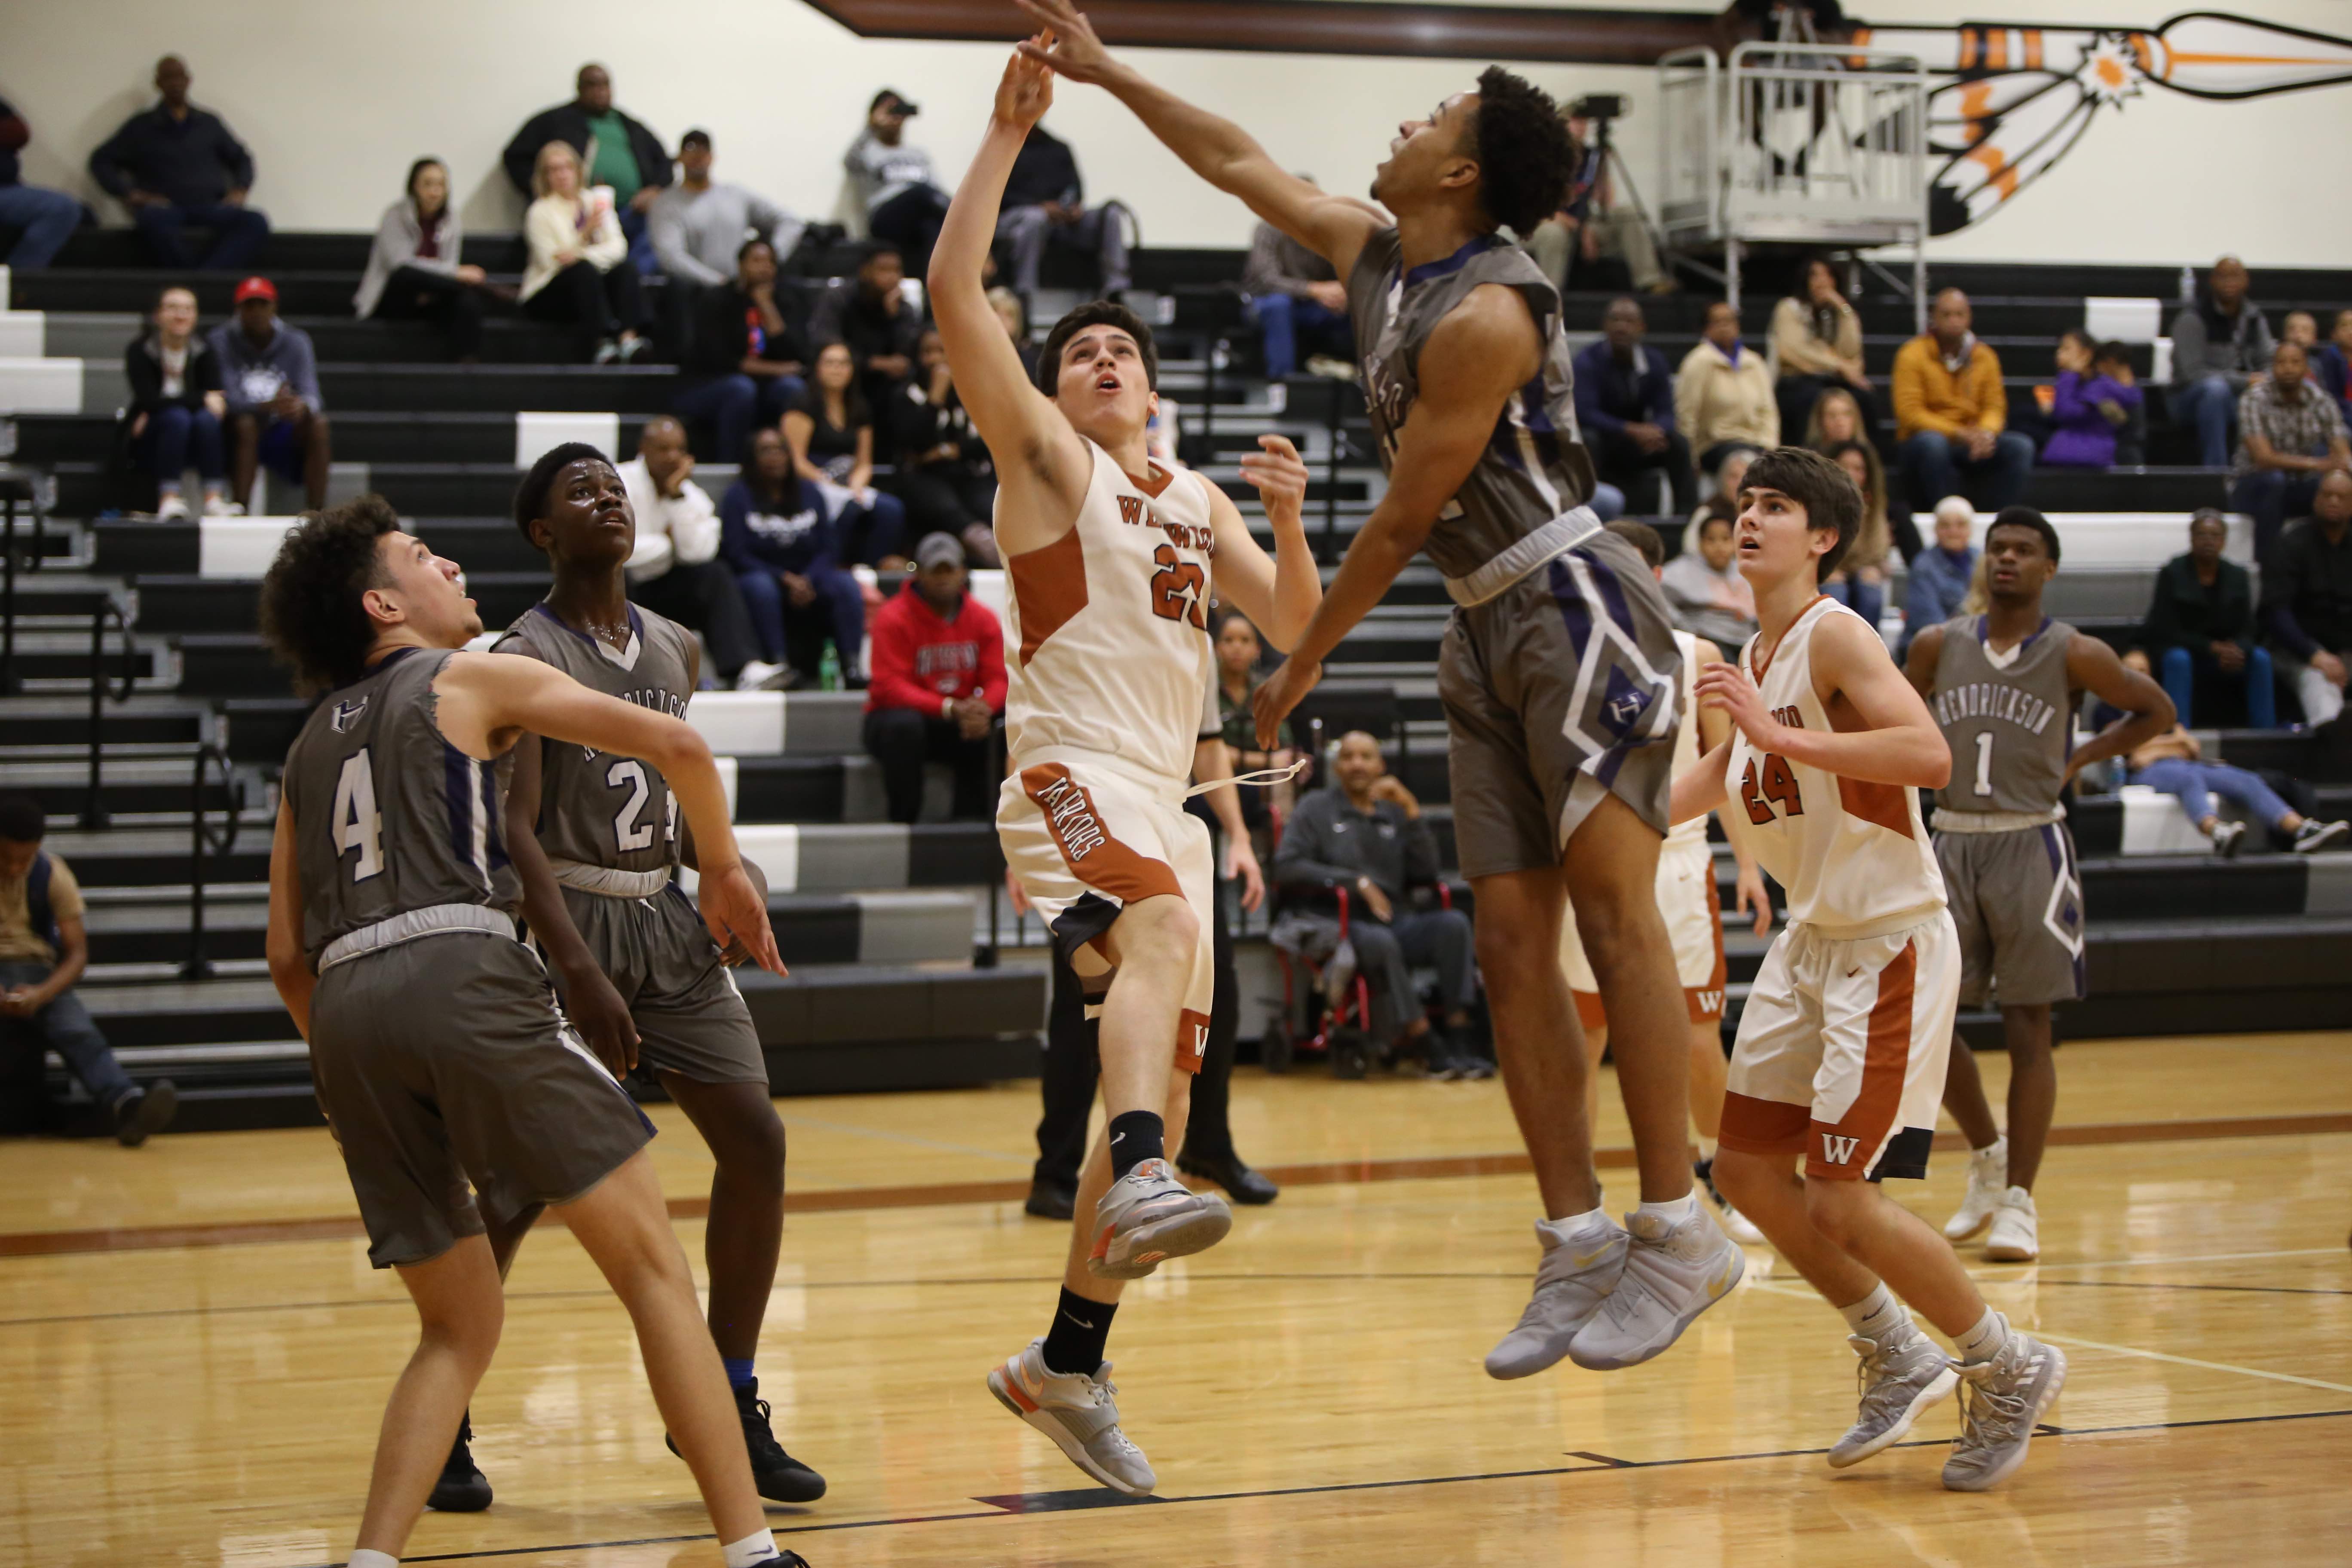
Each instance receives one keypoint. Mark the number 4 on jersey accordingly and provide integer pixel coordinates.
(355, 822)
(1778, 784)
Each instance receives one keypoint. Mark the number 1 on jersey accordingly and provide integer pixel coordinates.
(1984, 762)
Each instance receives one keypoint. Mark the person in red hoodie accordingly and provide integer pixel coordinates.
(938, 685)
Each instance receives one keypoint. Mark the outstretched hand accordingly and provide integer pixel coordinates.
(1283, 691)
(1026, 91)
(1279, 474)
(1068, 42)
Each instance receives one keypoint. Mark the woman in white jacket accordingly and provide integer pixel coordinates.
(579, 269)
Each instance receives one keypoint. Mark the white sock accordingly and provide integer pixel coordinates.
(1706, 1150)
(1879, 1316)
(1577, 1224)
(366, 1558)
(1674, 1210)
(1984, 1342)
(751, 1549)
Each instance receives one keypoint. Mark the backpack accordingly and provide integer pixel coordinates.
(36, 900)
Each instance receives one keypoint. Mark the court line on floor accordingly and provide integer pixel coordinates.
(1599, 1464)
(238, 1232)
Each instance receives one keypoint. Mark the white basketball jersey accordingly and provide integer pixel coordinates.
(1106, 629)
(1852, 857)
(1687, 747)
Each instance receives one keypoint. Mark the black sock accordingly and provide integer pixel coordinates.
(1135, 1136)
(1080, 1332)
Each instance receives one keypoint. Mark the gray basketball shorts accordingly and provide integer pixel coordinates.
(443, 1060)
(690, 1018)
(2017, 901)
(1558, 689)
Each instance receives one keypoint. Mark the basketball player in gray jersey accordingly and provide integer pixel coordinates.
(442, 1060)
(595, 839)
(2002, 686)
(1559, 672)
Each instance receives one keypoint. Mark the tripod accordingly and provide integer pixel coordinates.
(1612, 175)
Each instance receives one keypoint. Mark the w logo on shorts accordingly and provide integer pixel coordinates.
(1838, 1151)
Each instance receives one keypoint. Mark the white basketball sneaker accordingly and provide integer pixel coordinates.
(1673, 1273)
(1988, 1179)
(1079, 1412)
(1897, 1382)
(1574, 1279)
(1148, 1216)
(2000, 1400)
(2015, 1236)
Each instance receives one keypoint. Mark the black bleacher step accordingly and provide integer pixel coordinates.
(54, 722)
(319, 250)
(60, 597)
(184, 603)
(154, 857)
(599, 389)
(130, 288)
(145, 785)
(787, 789)
(262, 728)
(360, 436)
(64, 656)
(158, 931)
(229, 664)
(953, 855)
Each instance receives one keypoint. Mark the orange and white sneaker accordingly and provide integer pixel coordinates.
(1079, 1412)
(1148, 1216)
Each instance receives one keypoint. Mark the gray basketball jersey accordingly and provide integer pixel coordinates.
(2009, 725)
(595, 808)
(388, 816)
(1535, 467)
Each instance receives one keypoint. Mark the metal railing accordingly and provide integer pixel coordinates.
(205, 845)
(93, 811)
(16, 490)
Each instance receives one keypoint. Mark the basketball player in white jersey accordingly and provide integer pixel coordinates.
(1840, 1053)
(1109, 557)
(1694, 916)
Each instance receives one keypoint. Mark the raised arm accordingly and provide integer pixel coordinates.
(1278, 594)
(2092, 666)
(1040, 460)
(1220, 151)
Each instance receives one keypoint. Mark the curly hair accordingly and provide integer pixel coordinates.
(2027, 518)
(1095, 313)
(531, 496)
(1526, 156)
(1832, 502)
(311, 618)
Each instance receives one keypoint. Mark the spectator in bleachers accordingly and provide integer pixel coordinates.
(2290, 433)
(945, 476)
(1367, 835)
(269, 377)
(175, 164)
(1015, 316)
(1816, 347)
(1723, 394)
(874, 319)
(1938, 575)
(44, 219)
(578, 271)
(1046, 204)
(1950, 413)
(939, 686)
(697, 225)
(2089, 409)
(2300, 328)
(1836, 419)
(176, 407)
(1625, 407)
(2201, 628)
(1704, 587)
(895, 185)
(2331, 366)
(1729, 472)
(613, 150)
(675, 569)
(44, 947)
(2221, 346)
(1238, 678)
(417, 269)
(2308, 600)
(1860, 580)
(1300, 305)
(747, 364)
(2173, 763)
(1590, 225)
(829, 436)
(780, 536)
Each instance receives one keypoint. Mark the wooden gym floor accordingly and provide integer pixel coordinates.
(195, 1352)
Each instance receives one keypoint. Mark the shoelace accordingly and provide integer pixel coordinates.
(1871, 1374)
(1990, 1416)
(759, 1438)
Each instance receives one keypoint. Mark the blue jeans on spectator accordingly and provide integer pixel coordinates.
(1287, 323)
(641, 245)
(2270, 496)
(734, 402)
(2178, 670)
(1867, 600)
(2208, 405)
(64, 1026)
(838, 611)
(1940, 467)
(869, 532)
(45, 221)
(1607, 501)
(2194, 785)
(175, 435)
(237, 234)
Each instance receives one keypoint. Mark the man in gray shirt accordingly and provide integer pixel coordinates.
(2220, 345)
(1297, 295)
(698, 224)
(270, 374)
(895, 184)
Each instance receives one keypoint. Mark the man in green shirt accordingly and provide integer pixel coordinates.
(616, 149)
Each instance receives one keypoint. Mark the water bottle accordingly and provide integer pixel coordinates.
(828, 669)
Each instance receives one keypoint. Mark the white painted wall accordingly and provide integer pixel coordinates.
(336, 99)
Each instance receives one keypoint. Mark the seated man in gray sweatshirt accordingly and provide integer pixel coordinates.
(698, 224)
(269, 375)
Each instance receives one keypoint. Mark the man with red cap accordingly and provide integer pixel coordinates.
(270, 375)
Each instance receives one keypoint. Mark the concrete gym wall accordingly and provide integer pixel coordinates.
(336, 99)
